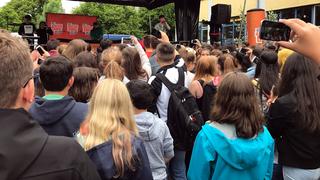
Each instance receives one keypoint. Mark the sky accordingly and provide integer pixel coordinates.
(67, 5)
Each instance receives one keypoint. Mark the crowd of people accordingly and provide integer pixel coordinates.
(155, 110)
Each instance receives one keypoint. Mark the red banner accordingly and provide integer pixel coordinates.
(70, 26)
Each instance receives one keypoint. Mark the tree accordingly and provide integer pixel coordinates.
(167, 11)
(52, 6)
(125, 19)
(15, 10)
(114, 18)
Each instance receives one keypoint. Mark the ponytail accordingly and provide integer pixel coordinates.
(113, 71)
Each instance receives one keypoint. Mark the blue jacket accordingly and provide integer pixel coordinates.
(59, 117)
(101, 156)
(215, 156)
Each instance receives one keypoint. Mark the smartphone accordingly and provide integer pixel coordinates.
(40, 50)
(274, 31)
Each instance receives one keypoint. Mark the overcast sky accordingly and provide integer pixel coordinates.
(67, 5)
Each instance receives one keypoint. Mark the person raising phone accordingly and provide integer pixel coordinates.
(162, 25)
(306, 38)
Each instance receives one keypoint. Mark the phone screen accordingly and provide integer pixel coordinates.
(274, 31)
(39, 49)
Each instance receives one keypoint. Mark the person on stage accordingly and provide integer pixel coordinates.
(27, 28)
(43, 32)
(97, 32)
(162, 25)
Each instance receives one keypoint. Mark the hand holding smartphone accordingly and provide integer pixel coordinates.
(274, 31)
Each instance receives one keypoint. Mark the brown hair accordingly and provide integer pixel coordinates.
(206, 68)
(74, 47)
(85, 59)
(228, 63)
(15, 68)
(236, 103)
(150, 41)
(132, 64)
(111, 62)
(85, 80)
(165, 52)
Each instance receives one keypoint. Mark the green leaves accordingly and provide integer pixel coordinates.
(125, 19)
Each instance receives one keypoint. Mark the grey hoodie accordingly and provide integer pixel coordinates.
(158, 142)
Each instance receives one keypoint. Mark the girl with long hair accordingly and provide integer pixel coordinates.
(110, 134)
(228, 63)
(74, 48)
(132, 66)
(111, 60)
(294, 119)
(206, 74)
(267, 76)
(234, 144)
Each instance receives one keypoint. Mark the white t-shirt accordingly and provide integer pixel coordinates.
(163, 99)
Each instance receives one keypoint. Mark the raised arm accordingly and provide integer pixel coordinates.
(143, 56)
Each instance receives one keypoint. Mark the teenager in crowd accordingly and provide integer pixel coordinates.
(27, 152)
(85, 80)
(165, 58)
(294, 119)
(43, 32)
(150, 43)
(74, 47)
(86, 59)
(110, 134)
(190, 61)
(132, 66)
(145, 64)
(267, 77)
(111, 60)
(52, 47)
(154, 132)
(234, 144)
(227, 63)
(58, 113)
(206, 73)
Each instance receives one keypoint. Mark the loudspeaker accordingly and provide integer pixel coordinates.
(220, 14)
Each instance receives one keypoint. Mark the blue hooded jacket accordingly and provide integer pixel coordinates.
(59, 117)
(215, 156)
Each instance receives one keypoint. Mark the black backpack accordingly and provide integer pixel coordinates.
(184, 118)
(207, 99)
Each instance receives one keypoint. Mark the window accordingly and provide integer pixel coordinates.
(288, 13)
(317, 20)
(305, 13)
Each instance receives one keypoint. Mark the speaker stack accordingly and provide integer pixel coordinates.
(220, 14)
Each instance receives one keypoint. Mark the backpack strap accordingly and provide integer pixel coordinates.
(181, 77)
(171, 86)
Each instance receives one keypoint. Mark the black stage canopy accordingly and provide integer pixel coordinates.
(187, 13)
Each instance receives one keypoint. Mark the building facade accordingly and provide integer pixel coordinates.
(307, 10)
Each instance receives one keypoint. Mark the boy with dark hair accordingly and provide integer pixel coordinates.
(27, 152)
(152, 130)
(52, 47)
(165, 58)
(58, 113)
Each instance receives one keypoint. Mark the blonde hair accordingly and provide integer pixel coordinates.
(111, 62)
(206, 68)
(111, 118)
